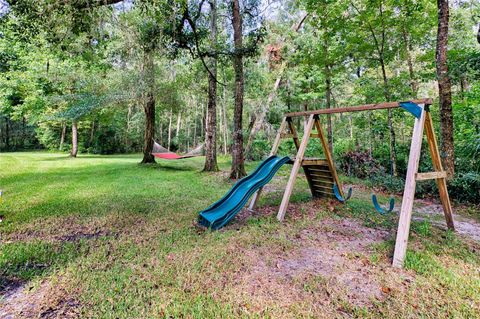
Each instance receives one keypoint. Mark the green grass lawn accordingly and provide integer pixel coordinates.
(119, 240)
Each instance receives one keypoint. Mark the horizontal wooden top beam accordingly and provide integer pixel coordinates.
(358, 108)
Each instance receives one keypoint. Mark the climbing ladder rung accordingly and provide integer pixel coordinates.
(314, 162)
(321, 177)
(322, 182)
(430, 175)
(315, 170)
(322, 193)
(286, 135)
(323, 187)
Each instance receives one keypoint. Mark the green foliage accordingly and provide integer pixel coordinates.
(466, 187)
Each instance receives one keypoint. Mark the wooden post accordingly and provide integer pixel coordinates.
(296, 166)
(276, 144)
(409, 192)
(328, 156)
(293, 131)
(437, 165)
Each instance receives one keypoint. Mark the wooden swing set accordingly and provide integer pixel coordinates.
(322, 176)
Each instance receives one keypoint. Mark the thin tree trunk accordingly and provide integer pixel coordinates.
(160, 131)
(305, 118)
(445, 90)
(225, 121)
(149, 107)
(195, 125)
(92, 134)
(169, 130)
(179, 119)
(211, 127)
(259, 119)
(7, 133)
(62, 136)
(263, 110)
(372, 136)
(393, 153)
(187, 124)
(74, 151)
(328, 105)
(238, 167)
(408, 49)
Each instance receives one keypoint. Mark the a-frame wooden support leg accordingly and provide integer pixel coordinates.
(296, 167)
(276, 144)
(437, 165)
(328, 156)
(409, 193)
(401, 242)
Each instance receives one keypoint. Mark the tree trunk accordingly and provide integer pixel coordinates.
(259, 119)
(62, 136)
(179, 120)
(7, 133)
(328, 105)
(92, 134)
(195, 124)
(408, 49)
(386, 90)
(445, 90)
(478, 34)
(263, 110)
(74, 151)
(160, 131)
(225, 122)
(238, 168)
(211, 127)
(149, 106)
(169, 130)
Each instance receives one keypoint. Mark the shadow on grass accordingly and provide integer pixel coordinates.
(21, 262)
(102, 189)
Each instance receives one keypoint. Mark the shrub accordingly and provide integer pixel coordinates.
(392, 184)
(260, 149)
(360, 164)
(465, 187)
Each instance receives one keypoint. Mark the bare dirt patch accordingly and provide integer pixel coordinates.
(73, 228)
(433, 212)
(42, 301)
(329, 265)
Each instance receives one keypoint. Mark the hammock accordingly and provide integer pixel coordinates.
(161, 152)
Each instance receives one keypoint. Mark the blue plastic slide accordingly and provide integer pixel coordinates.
(221, 212)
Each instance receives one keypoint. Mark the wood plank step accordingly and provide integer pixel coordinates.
(327, 186)
(322, 189)
(322, 193)
(321, 176)
(319, 170)
(315, 162)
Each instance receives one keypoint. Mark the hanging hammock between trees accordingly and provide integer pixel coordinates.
(161, 152)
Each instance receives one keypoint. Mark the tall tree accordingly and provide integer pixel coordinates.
(377, 19)
(445, 89)
(148, 103)
(211, 121)
(238, 167)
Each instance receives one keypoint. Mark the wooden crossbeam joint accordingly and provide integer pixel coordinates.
(430, 175)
